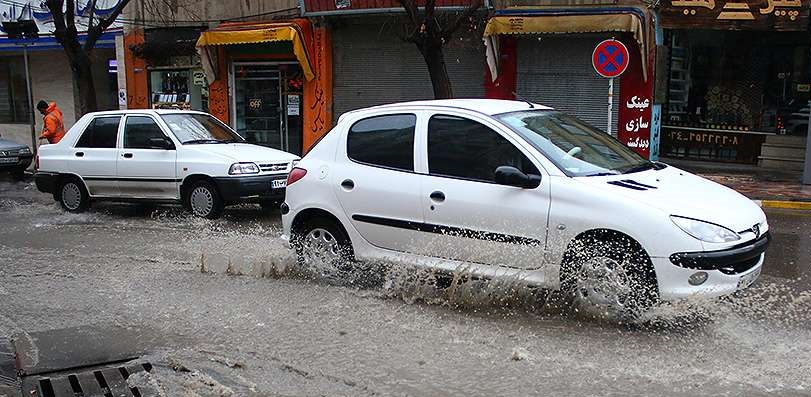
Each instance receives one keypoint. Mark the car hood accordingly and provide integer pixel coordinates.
(6, 144)
(245, 152)
(678, 192)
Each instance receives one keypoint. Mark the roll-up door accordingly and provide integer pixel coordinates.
(556, 71)
(373, 66)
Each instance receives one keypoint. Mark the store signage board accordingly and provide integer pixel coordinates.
(610, 58)
(199, 78)
(780, 15)
(293, 105)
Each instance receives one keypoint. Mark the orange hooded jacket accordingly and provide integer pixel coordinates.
(54, 125)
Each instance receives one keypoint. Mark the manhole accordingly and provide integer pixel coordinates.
(108, 380)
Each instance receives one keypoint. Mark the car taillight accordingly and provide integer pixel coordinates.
(295, 174)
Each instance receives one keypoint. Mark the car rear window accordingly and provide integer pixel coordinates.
(102, 132)
(383, 141)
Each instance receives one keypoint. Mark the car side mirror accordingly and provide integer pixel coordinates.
(161, 143)
(511, 176)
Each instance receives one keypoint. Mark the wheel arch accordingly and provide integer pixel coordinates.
(189, 180)
(314, 212)
(599, 234)
(64, 176)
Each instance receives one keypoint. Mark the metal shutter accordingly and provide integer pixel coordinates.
(556, 71)
(373, 66)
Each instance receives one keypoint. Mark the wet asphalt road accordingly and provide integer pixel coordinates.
(253, 324)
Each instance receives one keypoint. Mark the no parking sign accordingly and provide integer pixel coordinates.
(610, 58)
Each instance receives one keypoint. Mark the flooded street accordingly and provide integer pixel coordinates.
(223, 310)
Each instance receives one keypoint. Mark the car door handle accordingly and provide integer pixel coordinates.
(79, 154)
(348, 184)
(437, 196)
(127, 155)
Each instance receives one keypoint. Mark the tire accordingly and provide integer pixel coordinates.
(609, 276)
(72, 195)
(323, 246)
(203, 200)
(18, 175)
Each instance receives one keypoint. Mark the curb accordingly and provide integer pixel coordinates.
(792, 205)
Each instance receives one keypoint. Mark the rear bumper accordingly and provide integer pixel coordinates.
(46, 181)
(247, 189)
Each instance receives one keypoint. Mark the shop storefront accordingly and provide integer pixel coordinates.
(737, 77)
(270, 81)
(544, 55)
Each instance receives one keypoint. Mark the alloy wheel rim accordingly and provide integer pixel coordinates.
(71, 196)
(202, 201)
(602, 284)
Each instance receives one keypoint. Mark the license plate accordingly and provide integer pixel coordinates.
(748, 279)
(8, 160)
(278, 184)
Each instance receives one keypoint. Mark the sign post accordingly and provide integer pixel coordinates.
(610, 59)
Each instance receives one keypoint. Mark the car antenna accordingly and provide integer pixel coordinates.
(531, 106)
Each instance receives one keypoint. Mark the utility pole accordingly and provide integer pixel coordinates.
(30, 101)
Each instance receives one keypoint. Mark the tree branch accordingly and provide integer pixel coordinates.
(92, 15)
(448, 31)
(95, 33)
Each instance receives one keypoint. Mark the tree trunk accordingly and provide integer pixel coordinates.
(84, 90)
(435, 60)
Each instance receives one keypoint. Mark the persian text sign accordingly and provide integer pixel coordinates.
(784, 15)
(636, 106)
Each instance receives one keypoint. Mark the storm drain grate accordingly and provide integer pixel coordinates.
(109, 381)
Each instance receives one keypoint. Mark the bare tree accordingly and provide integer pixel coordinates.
(79, 56)
(430, 31)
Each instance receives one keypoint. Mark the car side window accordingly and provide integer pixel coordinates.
(463, 148)
(138, 130)
(383, 141)
(102, 132)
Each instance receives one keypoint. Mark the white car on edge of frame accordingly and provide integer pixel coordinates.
(508, 188)
(160, 156)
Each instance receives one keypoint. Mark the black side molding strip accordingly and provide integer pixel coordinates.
(448, 230)
(101, 178)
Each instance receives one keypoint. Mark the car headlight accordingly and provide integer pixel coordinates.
(25, 150)
(243, 168)
(705, 231)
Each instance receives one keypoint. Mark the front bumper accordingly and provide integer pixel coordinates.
(247, 189)
(727, 270)
(21, 163)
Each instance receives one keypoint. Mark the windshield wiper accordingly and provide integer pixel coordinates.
(641, 167)
(195, 141)
(602, 174)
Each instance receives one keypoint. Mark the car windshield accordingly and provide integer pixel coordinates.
(575, 147)
(191, 128)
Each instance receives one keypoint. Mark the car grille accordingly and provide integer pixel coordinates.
(740, 267)
(274, 167)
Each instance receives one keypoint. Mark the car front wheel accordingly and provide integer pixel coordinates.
(204, 200)
(73, 197)
(610, 278)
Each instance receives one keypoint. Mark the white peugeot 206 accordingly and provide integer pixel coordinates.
(161, 156)
(514, 189)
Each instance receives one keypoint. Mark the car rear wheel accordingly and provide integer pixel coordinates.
(204, 200)
(322, 245)
(73, 196)
(609, 278)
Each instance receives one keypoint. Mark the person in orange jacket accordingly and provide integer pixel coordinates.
(54, 125)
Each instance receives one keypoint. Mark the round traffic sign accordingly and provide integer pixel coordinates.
(610, 58)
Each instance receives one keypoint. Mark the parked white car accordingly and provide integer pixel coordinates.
(160, 156)
(512, 189)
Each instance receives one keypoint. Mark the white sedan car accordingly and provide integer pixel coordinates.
(160, 156)
(513, 189)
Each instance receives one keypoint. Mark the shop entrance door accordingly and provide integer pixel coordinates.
(257, 104)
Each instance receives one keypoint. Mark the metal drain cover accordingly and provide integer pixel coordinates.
(103, 381)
